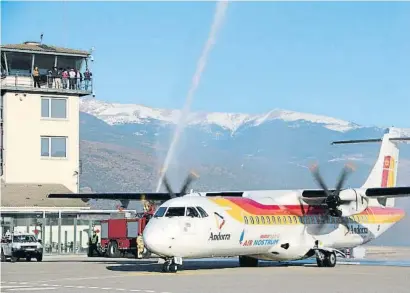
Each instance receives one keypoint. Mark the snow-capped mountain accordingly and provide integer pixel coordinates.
(114, 114)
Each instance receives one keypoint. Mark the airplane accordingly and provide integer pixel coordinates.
(273, 225)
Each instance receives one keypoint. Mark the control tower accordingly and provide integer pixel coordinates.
(39, 119)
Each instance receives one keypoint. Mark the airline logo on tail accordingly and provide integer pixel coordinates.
(388, 172)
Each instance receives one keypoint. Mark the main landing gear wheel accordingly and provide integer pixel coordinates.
(329, 260)
(169, 267)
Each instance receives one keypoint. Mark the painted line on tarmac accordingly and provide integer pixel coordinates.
(17, 286)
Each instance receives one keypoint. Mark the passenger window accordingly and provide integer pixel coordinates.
(246, 220)
(290, 219)
(268, 219)
(263, 220)
(175, 212)
(257, 220)
(192, 212)
(279, 220)
(273, 220)
(295, 219)
(160, 212)
(252, 222)
(202, 212)
(284, 220)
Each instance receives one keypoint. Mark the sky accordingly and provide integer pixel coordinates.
(348, 60)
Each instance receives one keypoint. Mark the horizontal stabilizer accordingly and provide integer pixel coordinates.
(114, 196)
(397, 139)
(388, 192)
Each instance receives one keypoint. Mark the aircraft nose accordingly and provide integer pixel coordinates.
(154, 241)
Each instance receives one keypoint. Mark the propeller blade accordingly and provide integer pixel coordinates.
(168, 187)
(343, 176)
(315, 171)
(187, 182)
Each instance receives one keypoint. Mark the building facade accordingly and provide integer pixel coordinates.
(39, 144)
(40, 121)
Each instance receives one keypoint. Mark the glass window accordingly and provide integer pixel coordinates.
(192, 212)
(268, 219)
(263, 219)
(252, 222)
(160, 212)
(19, 63)
(284, 220)
(175, 212)
(45, 147)
(58, 147)
(53, 108)
(3, 64)
(279, 220)
(202, 212)
(257, 220)
(245, 218)
(295, 219)
(24, 238)
(54, 147)
(68, 62)
(290, 219)
(44, 62)
(273, 220)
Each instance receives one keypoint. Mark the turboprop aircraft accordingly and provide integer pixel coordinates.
(275, 225)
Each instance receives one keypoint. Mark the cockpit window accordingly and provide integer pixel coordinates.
(160, 212)
(175, 212)
(202, 212)
(192, 212)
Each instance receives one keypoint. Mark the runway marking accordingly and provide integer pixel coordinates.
(14, 286)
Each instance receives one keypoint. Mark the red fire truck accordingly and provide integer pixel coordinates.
(119, 234)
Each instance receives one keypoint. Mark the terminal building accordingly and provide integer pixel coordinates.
(39, 144)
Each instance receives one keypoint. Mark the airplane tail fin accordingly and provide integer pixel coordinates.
(384, 172)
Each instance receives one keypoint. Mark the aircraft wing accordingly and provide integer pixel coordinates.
(317, 196)
(388, 192)
(153, 196)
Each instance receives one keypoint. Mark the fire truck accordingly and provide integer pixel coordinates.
(119, 233)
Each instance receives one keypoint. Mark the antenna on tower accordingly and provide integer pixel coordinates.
(41, 38)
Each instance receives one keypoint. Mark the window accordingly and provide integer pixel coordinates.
(252, 222)
(268, 219)
(284, 219)
(202, 212)
(192, 212)
(290, 219)
(257, 220)
(295, 219)
(24, 238)
(279, 220)
(53, 108)
(19, 63)
(44, 62)
(246, 220)
(160, 212)
(54, 146)
(69, 62)
(175, 212)
(263, 220)
(273, 220)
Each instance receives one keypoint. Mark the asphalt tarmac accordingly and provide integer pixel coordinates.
(82, 274)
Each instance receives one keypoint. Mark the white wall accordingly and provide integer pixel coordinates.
(23, 126)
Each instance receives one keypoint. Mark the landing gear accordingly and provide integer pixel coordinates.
(172, 265)
(325, 258)
(246, 261)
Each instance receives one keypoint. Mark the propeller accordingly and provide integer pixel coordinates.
(188, 180)
(332, 200)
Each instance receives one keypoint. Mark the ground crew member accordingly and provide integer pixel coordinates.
(93, 244)
(140, 245)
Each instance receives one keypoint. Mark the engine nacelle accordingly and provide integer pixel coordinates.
(353, 202)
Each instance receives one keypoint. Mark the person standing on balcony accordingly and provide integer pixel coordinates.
(36, 77)
(87, 78)
(65, 78)
(79, 79)
(73, 77)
